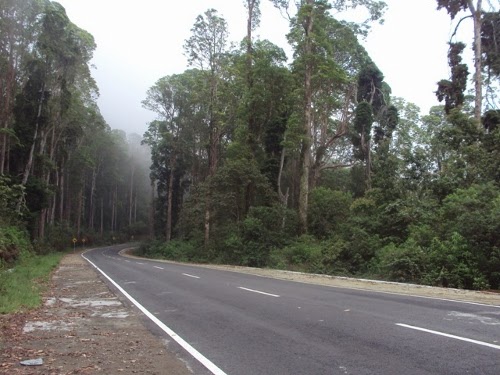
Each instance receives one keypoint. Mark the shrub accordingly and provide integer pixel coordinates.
(452, 264)
(13, 243)
(403, 263)
(328, 209)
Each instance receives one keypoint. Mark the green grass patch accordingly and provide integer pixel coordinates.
(21, 287)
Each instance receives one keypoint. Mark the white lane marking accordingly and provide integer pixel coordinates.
(195, 353)
(140, 263)
(126, 260)
(130, 282)
(450, 336)
(158, 267)
(258, 291)
(188, 275)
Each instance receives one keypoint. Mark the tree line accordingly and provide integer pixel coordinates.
(313, 165)
(63, 172)
(307, 163)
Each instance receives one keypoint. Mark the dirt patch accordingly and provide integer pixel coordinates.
(83, 328)
(484, 297)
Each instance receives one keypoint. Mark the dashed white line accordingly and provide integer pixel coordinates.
(450, 336)
(160, 268)
(193, 276)
(139, 263)
(258, 291)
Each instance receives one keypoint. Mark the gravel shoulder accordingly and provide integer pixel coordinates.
(83, 328)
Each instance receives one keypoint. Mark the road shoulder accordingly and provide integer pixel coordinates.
(83, 327)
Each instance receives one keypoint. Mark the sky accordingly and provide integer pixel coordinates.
(139, 42)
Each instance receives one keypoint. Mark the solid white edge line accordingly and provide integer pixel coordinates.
(188, 275)
(450, 336)
(195, 353)
(258, 291)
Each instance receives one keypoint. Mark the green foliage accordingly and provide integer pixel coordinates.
(453, 7)
(452, 91)
(490, 34)
(21, 287)
(361, 131)
(181, 251)
(9, 196)
(328, 210)
(305, 254)
(14, 243)
(403, 263)
(453, 265)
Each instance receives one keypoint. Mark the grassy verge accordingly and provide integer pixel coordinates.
(22, 286)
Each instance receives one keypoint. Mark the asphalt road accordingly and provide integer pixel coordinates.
(244, 324)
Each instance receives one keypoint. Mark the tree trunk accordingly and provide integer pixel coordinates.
(168, 229)
(131, 194)
(6, 110)
(62, 188)
(92, 203)
(113, 210)
(152, 212)
(478, 79)
(102, 218)
(305, 151)
(79, 212)
(29, 164)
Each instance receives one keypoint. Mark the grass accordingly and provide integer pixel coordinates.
(21, 287)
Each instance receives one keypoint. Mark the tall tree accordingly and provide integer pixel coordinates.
(308, 14)
(481, 36)
(206, 50)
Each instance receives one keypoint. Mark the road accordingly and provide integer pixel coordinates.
(243, 324)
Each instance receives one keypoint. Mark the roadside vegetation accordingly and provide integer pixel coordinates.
(22, 286)
(304, 162)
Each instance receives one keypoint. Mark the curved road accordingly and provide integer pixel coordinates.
(242, 324)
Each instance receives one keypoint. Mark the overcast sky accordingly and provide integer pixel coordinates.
(139, 42)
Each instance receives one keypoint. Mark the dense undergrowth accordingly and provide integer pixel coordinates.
(453, 243)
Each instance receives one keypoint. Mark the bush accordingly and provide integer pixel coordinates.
(305, 254)
(328, 209)
(13, 243)
(181, 251)
(452, 264)
(402, 263)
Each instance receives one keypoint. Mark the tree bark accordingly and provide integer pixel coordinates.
(29, 164)
(168, 229)
(305, 152)
(79, 212)
(152, 211)
(478, 79)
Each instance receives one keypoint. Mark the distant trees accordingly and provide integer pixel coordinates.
(66, 173)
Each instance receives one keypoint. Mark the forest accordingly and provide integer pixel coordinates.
(256, 158)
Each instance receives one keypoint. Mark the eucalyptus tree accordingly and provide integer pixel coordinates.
(373, 110)
(206, 50)
(19, 29)
(60, 54)
(306, 34)
(485, 42)
(172, 137)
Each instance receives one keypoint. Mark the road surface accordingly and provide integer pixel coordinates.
(232, 323)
